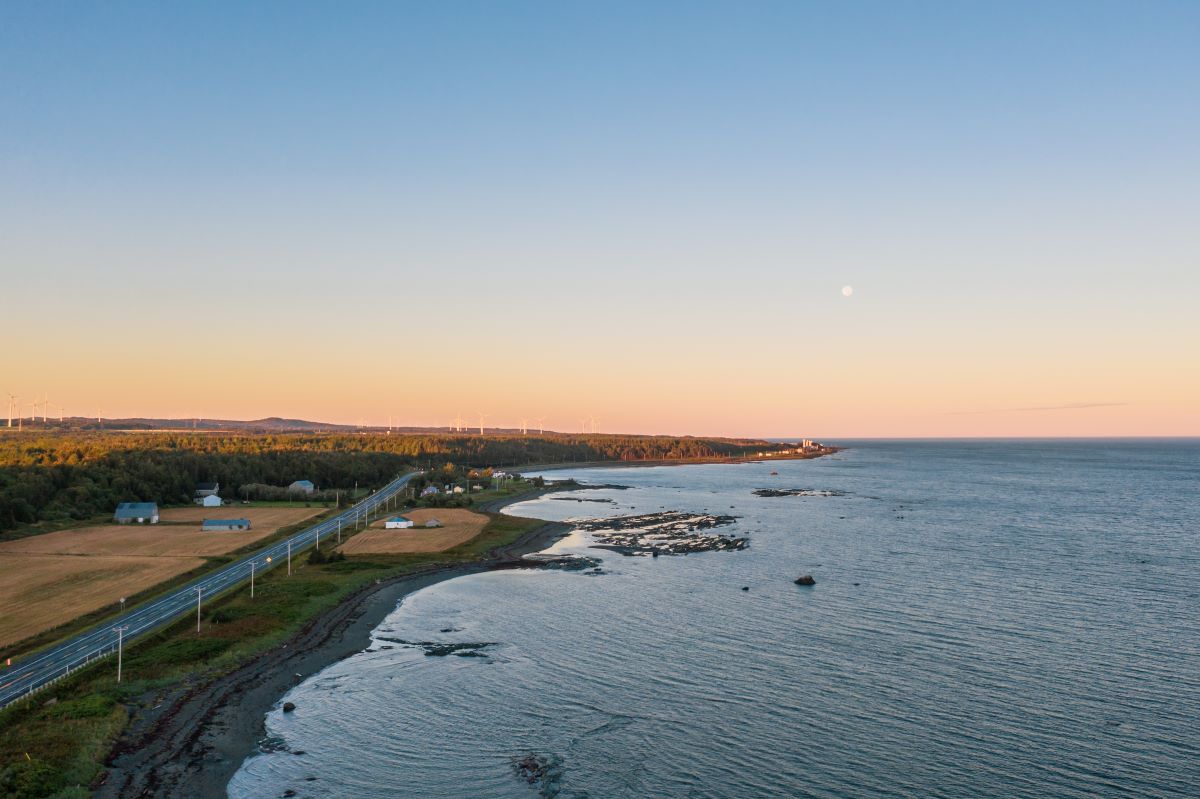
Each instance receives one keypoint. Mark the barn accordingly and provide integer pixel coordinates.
(398, 523)
(214, 525)
(136, 513)
(210, 501)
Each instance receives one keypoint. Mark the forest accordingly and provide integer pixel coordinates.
(59, 477)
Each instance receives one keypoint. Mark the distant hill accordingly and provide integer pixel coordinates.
(273, 424)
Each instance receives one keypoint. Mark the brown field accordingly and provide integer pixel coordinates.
(50, 579)
(180, 538)
(459, 526)
(38, 592)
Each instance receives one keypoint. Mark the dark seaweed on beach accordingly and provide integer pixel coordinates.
(664, 533)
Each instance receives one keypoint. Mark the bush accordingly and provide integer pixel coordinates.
(88, 707)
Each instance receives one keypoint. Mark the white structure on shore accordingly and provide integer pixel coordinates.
(398, 523)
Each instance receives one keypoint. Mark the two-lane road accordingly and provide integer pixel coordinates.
(36, 671)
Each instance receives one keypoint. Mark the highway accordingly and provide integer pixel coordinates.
(40, 669)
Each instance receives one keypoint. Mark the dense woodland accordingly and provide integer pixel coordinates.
(57, 477)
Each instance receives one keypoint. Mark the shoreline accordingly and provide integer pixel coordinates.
(195, 739)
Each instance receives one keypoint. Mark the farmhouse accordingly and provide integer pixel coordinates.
(136, 512)
(210, 501)
(211, 525)
(302, 487)
(207, 489)
(398, 523)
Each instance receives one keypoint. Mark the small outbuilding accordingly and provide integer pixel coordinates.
(136, 513)
(210, 501)
(398, 523)
(301, 487)
(213, 525)
(432, 523)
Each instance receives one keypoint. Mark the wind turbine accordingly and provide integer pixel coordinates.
(583, 425)
(482, 418)
(13, 402)
(524, 426)
(459, 423)
(45, 407)
(541, 421)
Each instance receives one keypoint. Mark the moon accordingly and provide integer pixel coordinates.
(847, 291)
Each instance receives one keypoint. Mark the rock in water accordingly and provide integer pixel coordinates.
(288, 707)
(805, 579)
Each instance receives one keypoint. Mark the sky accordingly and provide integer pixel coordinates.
(641, 213)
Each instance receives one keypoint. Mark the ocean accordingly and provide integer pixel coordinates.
(989, 619)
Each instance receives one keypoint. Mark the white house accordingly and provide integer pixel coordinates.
(211, 501)
(207, 489)
(398, 523)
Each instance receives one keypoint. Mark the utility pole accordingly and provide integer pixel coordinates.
(289, 558)
(120, 631)
(252, 579)
(339, 530)
(199, 593)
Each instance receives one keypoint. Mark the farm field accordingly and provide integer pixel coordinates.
(179, 536)
(39, 592)
(459, 526)
(52, 578)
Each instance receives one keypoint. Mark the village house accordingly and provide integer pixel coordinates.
(207, 489)
(136, 513)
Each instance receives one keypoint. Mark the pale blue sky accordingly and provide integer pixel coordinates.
(1010, 187)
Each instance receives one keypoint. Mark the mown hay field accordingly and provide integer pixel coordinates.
(180, 536)
(459, 526)
(38, 592)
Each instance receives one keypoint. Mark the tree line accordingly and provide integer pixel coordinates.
(58, 477)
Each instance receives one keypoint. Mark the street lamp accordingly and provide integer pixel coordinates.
(122, 604)
(199, 593)
(120, 631)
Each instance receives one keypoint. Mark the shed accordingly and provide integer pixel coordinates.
(302, 487)
(398, 523)
(137, 513)
(211, 501)
(432, 523)
(211, 525)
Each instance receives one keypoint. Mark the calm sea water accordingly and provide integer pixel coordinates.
(999, 619)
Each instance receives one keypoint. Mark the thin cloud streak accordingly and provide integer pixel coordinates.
(1070, 406)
